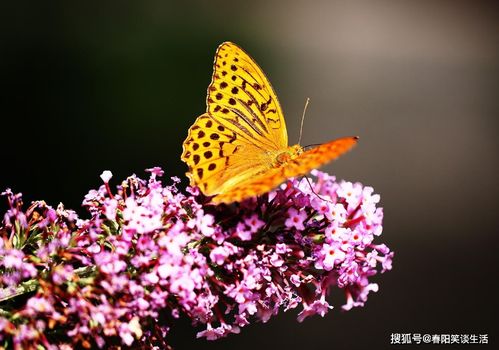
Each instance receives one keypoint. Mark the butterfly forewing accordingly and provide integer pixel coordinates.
(241, 98)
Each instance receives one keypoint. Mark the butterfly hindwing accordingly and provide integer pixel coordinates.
(217, 158)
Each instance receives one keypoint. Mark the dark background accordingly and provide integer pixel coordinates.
(115, 85)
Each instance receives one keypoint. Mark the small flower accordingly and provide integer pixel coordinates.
(334, 233)
(13, 259)
(155, 172)
(357, 297)
(126, 334)
(110, 207)
(276, 260)
(338, 213)
(386, 262)
(350, 192)
(219, 254)
(106, 176)
(241, 321)
(282, 248)
(296, 280)
(210, 333)
(62, 273)
(205, 224)
(242, 232)
(368, 197)
(254, 223)
(322, 207)
(134, 327)
(328, 256)
(38, 304)
(296, 218)
(319, 307)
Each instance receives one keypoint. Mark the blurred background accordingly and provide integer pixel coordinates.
(115, 85)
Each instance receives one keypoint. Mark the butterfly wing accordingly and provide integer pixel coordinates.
(242, 130)
(301, 165)
(218, 158)
(241, 98)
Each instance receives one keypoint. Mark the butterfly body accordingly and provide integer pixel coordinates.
(239, 147)
(282, 158)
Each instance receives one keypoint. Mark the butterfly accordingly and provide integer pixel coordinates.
(239, 147)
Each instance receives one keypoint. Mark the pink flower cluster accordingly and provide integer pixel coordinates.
(149, 253)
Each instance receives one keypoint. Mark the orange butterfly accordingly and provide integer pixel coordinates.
(239, 147)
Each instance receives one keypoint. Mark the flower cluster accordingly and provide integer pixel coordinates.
(149, 253)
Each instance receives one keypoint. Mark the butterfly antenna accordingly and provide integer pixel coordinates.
(313, 191)
(303, 118)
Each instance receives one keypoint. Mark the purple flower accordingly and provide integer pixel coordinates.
(322, 207)
(243, 233)
(350, 192)
(282, 248)
(219, 254)
(141, 218)
(110, 208)
(357, 296)
(295, 219)
(276, 260)
(254, 223)
(36, 305)
(338, 213)
(318, 307)
(148, 253)
(328, 256)
(210, 333)
(204, 224)
(156, 172)
(13, 259)
(62, 273)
